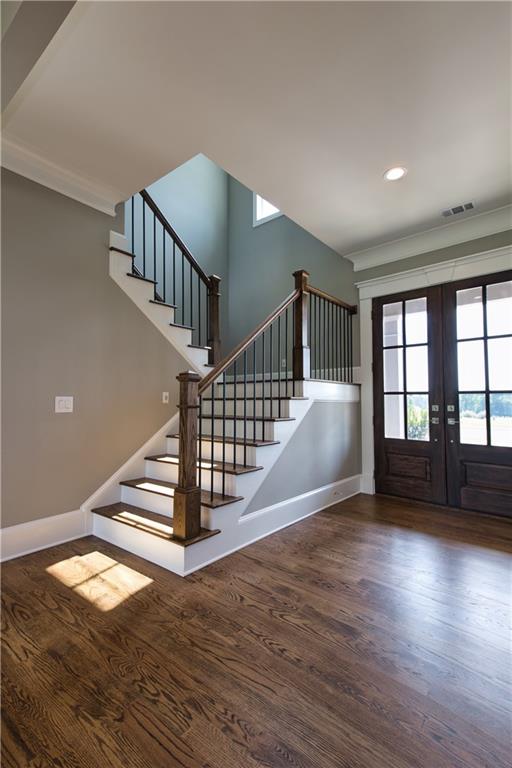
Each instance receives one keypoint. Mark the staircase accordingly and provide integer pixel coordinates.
(182, 500)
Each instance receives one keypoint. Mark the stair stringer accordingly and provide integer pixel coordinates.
(141, 293)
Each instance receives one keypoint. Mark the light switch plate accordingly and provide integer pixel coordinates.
(64, 404)
(165, 397)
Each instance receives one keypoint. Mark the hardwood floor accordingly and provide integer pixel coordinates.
(372, 635)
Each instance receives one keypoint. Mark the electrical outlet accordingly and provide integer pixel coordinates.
(63, 404)
(165, 397)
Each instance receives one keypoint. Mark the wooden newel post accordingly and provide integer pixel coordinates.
(214, 319)
(301, 359)
(187, 495)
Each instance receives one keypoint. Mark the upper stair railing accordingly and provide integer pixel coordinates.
(308, 336)
(161, 256)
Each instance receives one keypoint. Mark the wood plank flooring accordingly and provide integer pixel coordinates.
(374, 634)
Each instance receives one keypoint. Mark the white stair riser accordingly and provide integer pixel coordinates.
(231, 451)
(260, 407)
(262, 430)
(169, 472)
(283, 390)
(165, 553)
(154, 502)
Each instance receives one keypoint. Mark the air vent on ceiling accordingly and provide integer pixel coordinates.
(458, 209)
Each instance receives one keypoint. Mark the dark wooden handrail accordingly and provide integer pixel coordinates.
(352, 308)
(177, 239)
(245, 343)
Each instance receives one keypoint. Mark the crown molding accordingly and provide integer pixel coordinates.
(470, 228)
(26, 162)
(481, 263)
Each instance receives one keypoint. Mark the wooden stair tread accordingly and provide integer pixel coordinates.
(162, 303)
(148, 522)
(141, 277)
(121, 250)
(230, 469)
(199, 346)
(259, 397)
(239, 417)
(207, 499)
(239, 441)
(181, 325)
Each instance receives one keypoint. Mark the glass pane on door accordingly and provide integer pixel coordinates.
(501, 418)
(406, 374)
(470, 313)
(484, 364)
(473, 418)
(499, 308)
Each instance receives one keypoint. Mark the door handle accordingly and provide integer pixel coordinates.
(434, 420)
(451, 422)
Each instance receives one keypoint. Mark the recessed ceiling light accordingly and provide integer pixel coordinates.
(394, 174)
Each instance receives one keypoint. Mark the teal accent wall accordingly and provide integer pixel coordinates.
(262, 260)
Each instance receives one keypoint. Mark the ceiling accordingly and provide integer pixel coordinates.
(307, 103)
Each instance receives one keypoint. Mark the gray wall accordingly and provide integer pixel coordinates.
(68, 329)
(443, 254)
(194, 198)
(325, 448)
(262, 260)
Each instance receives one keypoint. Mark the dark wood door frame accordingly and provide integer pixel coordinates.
(479, 477)
(413, 468)
(461, 475)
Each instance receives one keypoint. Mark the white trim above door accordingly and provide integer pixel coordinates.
(485, 263)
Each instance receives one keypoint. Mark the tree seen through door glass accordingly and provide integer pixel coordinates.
(484, 364)
(406, 375)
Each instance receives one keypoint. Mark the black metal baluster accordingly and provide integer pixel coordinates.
(337, 344)
(224, 435)
(191, 297)
(200, 467)
(234, 411)
(154, 256)
(144, 238)
(245, 408)
(279, 364)
(344, 378)
(212, 433)
(294, 310)
(254, 389)
(174, 274)
(133, 225)
(350, 361)
(199, 337)
(271, 386)
(263, 403)
(286, 347)
(164, 265)
(182, 288)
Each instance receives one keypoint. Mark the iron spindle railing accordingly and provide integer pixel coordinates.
(161, 256)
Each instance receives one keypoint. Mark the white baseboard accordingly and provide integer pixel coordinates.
(263, 522)
(22, 539)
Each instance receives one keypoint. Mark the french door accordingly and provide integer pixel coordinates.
(442, 361)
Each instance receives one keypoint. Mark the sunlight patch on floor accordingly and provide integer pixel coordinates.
(99, 579)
